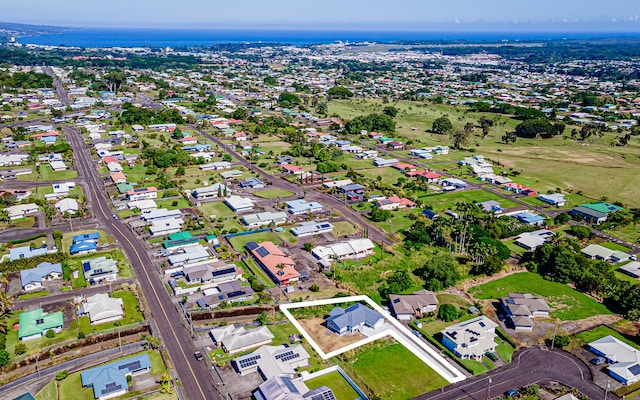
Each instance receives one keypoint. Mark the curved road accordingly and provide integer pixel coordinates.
(529, 366)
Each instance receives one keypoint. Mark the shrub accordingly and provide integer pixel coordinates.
(4, 358)
(314, 288)
(581, 232)
(562, 341)
(20, 348)
(62, 375)
(448, 312)
(81, 335)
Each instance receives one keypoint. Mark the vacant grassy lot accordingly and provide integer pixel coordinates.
(340, 387)
(173, 204)
(344, 228)
(566, 303)
(238, 242)
(392, 372)
(273, 193)
(219, 209)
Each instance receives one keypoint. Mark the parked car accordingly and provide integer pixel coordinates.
(177, 274)
(114, 216)
(598, 361)
(491, 356)
(512, 393)
(417, 333)
(104, 246)
(198, 356)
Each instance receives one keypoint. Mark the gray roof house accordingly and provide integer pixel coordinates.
(408, 306)
(235, 340)
(285, 388)
(471, 339)
(273, 361)
(521, 307)
(31, 279)
(101, 308)
(353, 319)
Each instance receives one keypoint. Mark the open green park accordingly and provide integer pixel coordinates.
(565, 303)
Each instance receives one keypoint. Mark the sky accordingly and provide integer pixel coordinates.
(569, 15)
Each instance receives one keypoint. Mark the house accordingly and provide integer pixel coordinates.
(597, 252)
(165, 226)
(357, 318)
(292, 169)
(532, 240)
(555, 199)
(490, 206)
(143, 193)
(17, 253)
(283, 387)
(228, 292)
(273, 361)
(143, 205)
(430, 214)
(337, 184)
(156, 214)
(240, 136)
(631, 269)
(521, 307)
(188, 140)
(394, 145)
(520, 189)
(67, 206)
(179, 240)
(34, 324)
(353, 193)
(454, 182)
(265, 219)
(100, 269)
(394, 203)
(405, 307)
(312, 228)
(58, 166)
(428, 176)
(624, 359)
(118, 177)
(85, 243)
(114, 167)
(236, 340)
(110, 380)
(21, 210)
(384, 162)
(367, 154)
(595, 213)
(471, 339)
(231, 174)
(253, 183)
(350, 249)
(31, 279)
(239, 204)
(189, 255)
(284, 160)
(300, 206)
(528, 218)
(216, 166)
(274, 261)
(101, 308)
(210, 192)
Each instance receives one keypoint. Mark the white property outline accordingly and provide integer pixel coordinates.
(408, 340)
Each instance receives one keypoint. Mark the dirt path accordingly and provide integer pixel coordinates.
(462, 288)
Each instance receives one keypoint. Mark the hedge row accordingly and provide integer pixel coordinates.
(28, 239)
(24, 263)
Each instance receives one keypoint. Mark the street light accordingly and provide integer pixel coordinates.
(489, 389)
(606, 391)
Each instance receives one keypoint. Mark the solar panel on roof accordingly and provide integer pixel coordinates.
(481, 324)
(111, 387)
(223, 271)
(635, 369)
(132, 366)
(288, 353)
(235, 294)
(262, 252)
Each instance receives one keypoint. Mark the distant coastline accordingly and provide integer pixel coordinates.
(110, 37)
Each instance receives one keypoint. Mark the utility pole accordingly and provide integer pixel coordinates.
(606, 391)
(489, 389)
(553, 341)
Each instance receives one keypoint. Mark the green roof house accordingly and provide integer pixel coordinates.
(124, 187)
(34, 324)
(603, 207)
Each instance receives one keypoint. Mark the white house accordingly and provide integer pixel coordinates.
(101, 308)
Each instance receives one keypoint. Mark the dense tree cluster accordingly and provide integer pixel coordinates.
(371, 123)
(145, 116)
(339, 92)
(25, 80)
(532, 128)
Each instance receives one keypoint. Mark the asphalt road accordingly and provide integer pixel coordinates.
(195, 379)
(529, 366)
(375, 233)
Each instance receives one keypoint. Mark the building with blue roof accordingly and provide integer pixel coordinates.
(253, 183)
(32, 278)
(26, 252)
(85, 243)
(530, 218)
(197, 147)
(110, 380)
(353, 319)
(430, 213)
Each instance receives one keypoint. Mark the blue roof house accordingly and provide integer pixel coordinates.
(85, 243)
(110, 380)
(32, 278)
(530, 219)
(430, 213)
(26, 252)
(354, 319)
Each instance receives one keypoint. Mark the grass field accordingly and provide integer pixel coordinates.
(218, 209)
(259, 272)
(344, 228)
(273, 193)
(405, 380)
(238, 242)
(595, 168)
(169, 204)
(34, 295)
(340, 387)
(600, 332)
(566, 303)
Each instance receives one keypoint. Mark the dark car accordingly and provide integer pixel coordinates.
(512, 393)
(417, 333)
(491, 356)
(598, 361)
(198, 356)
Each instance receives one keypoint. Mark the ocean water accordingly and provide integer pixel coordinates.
(183, 37)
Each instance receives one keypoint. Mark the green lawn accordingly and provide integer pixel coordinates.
(169, 204)
(34, 295)
(238, 242)
(406, 379)
(273, 193)
(445, 201)
(615, 246)
(566, 303)
(600, 332)
(340, 387)
(344, 228)
(259, 272)
(504, 350)
(47, 174)
(49, 392)
(219, 209)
